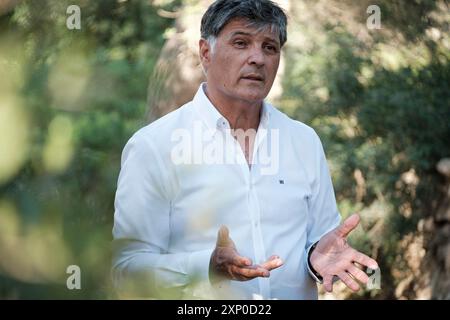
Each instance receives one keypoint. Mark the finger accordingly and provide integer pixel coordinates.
(272, 263)
(358, 274)
(328, 283)
(365, 260)
(223, 237)
(238, 277)
(348, 225)
(251, 272)
(241, 261)
(349, 282)
(235, 275)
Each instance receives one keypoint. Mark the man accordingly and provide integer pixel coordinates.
(260, 223)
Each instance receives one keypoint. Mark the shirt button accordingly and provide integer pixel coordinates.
(221, 123)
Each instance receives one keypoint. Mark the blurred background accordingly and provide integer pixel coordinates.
(70, 99)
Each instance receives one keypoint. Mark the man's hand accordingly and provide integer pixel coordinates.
(227, 263)
(334, 257)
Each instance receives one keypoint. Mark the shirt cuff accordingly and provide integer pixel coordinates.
(311, 272)
(198, 265)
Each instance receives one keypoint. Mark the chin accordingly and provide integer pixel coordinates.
(254, 95)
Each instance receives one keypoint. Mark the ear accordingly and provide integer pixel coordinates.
(205, 53)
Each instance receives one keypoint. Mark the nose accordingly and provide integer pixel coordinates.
(256, 57)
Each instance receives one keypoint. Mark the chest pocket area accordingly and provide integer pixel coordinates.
(284, 198)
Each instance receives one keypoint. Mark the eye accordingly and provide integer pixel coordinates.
(240, 43)
(271, 48)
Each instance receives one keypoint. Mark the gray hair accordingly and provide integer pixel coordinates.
(261, 14)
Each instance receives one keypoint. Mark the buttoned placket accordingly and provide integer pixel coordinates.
(250, 175)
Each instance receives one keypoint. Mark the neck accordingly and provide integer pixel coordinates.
(240, 114)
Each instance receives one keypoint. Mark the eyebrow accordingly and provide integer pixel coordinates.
(241, 33)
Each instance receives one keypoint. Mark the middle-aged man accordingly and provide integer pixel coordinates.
(227, 197)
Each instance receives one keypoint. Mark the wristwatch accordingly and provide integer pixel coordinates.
(309, 262)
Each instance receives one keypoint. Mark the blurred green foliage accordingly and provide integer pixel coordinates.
(70, 99)
(383, 114)
(84, 93)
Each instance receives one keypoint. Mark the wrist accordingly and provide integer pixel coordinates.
(310, 265)
(216, 273)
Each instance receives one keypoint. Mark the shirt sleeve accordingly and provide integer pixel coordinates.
(141, 234)
(323, 215)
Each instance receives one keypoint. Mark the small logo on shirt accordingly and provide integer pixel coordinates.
(281, 181)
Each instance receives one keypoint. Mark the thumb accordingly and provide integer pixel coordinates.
(223, 237)
(348, 225)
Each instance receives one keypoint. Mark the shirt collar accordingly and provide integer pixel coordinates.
(213, 118)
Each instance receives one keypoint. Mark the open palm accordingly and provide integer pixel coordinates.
(333, 256)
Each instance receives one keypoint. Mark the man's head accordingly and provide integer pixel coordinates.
(240, 47)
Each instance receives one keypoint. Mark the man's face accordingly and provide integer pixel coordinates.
(244, 62)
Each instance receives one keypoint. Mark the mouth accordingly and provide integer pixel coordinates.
(253, 77)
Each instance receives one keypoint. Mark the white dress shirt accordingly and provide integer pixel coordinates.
(171, 200)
